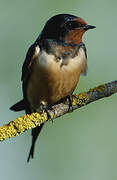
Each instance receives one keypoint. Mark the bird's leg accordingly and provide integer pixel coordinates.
(70, 99)
(47, 109)
(74, 96)
(48, 113)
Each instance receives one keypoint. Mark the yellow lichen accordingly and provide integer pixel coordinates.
(80, 99)
(21, 124)
(7, 131)
(99, 88)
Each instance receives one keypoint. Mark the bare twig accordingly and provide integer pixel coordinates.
(25, 122)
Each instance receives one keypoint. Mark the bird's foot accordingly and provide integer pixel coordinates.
(49, 115)
(70, 100)
(48, 110)
(75, 96)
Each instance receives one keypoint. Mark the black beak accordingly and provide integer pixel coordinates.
(87, 27)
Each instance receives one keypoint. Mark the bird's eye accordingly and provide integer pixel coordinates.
(73, 24)
(79, 24)
(69, 25)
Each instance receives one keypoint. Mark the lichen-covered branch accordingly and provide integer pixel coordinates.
(25, 122)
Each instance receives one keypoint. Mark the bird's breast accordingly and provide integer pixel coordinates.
(52, 79)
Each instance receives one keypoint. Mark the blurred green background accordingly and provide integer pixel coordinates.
(81, 145)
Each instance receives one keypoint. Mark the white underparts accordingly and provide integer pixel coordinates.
(46, 60)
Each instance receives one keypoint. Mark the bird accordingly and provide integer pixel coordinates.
(52, 66)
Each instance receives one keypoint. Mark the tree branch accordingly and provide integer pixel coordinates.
(25, 122)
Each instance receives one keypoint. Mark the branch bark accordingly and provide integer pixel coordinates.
(26, 122)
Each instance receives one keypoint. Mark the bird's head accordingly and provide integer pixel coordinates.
(66, 28)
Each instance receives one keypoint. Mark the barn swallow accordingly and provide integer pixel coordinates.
(52, 66)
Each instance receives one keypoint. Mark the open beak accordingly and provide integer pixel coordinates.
(87, 27)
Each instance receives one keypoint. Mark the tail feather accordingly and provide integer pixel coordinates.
(35, 133)
(19, 106)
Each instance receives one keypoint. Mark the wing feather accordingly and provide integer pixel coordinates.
(30, 57)
(84, 67)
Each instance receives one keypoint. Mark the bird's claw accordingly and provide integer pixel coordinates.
(49, 116)
(70, 100)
